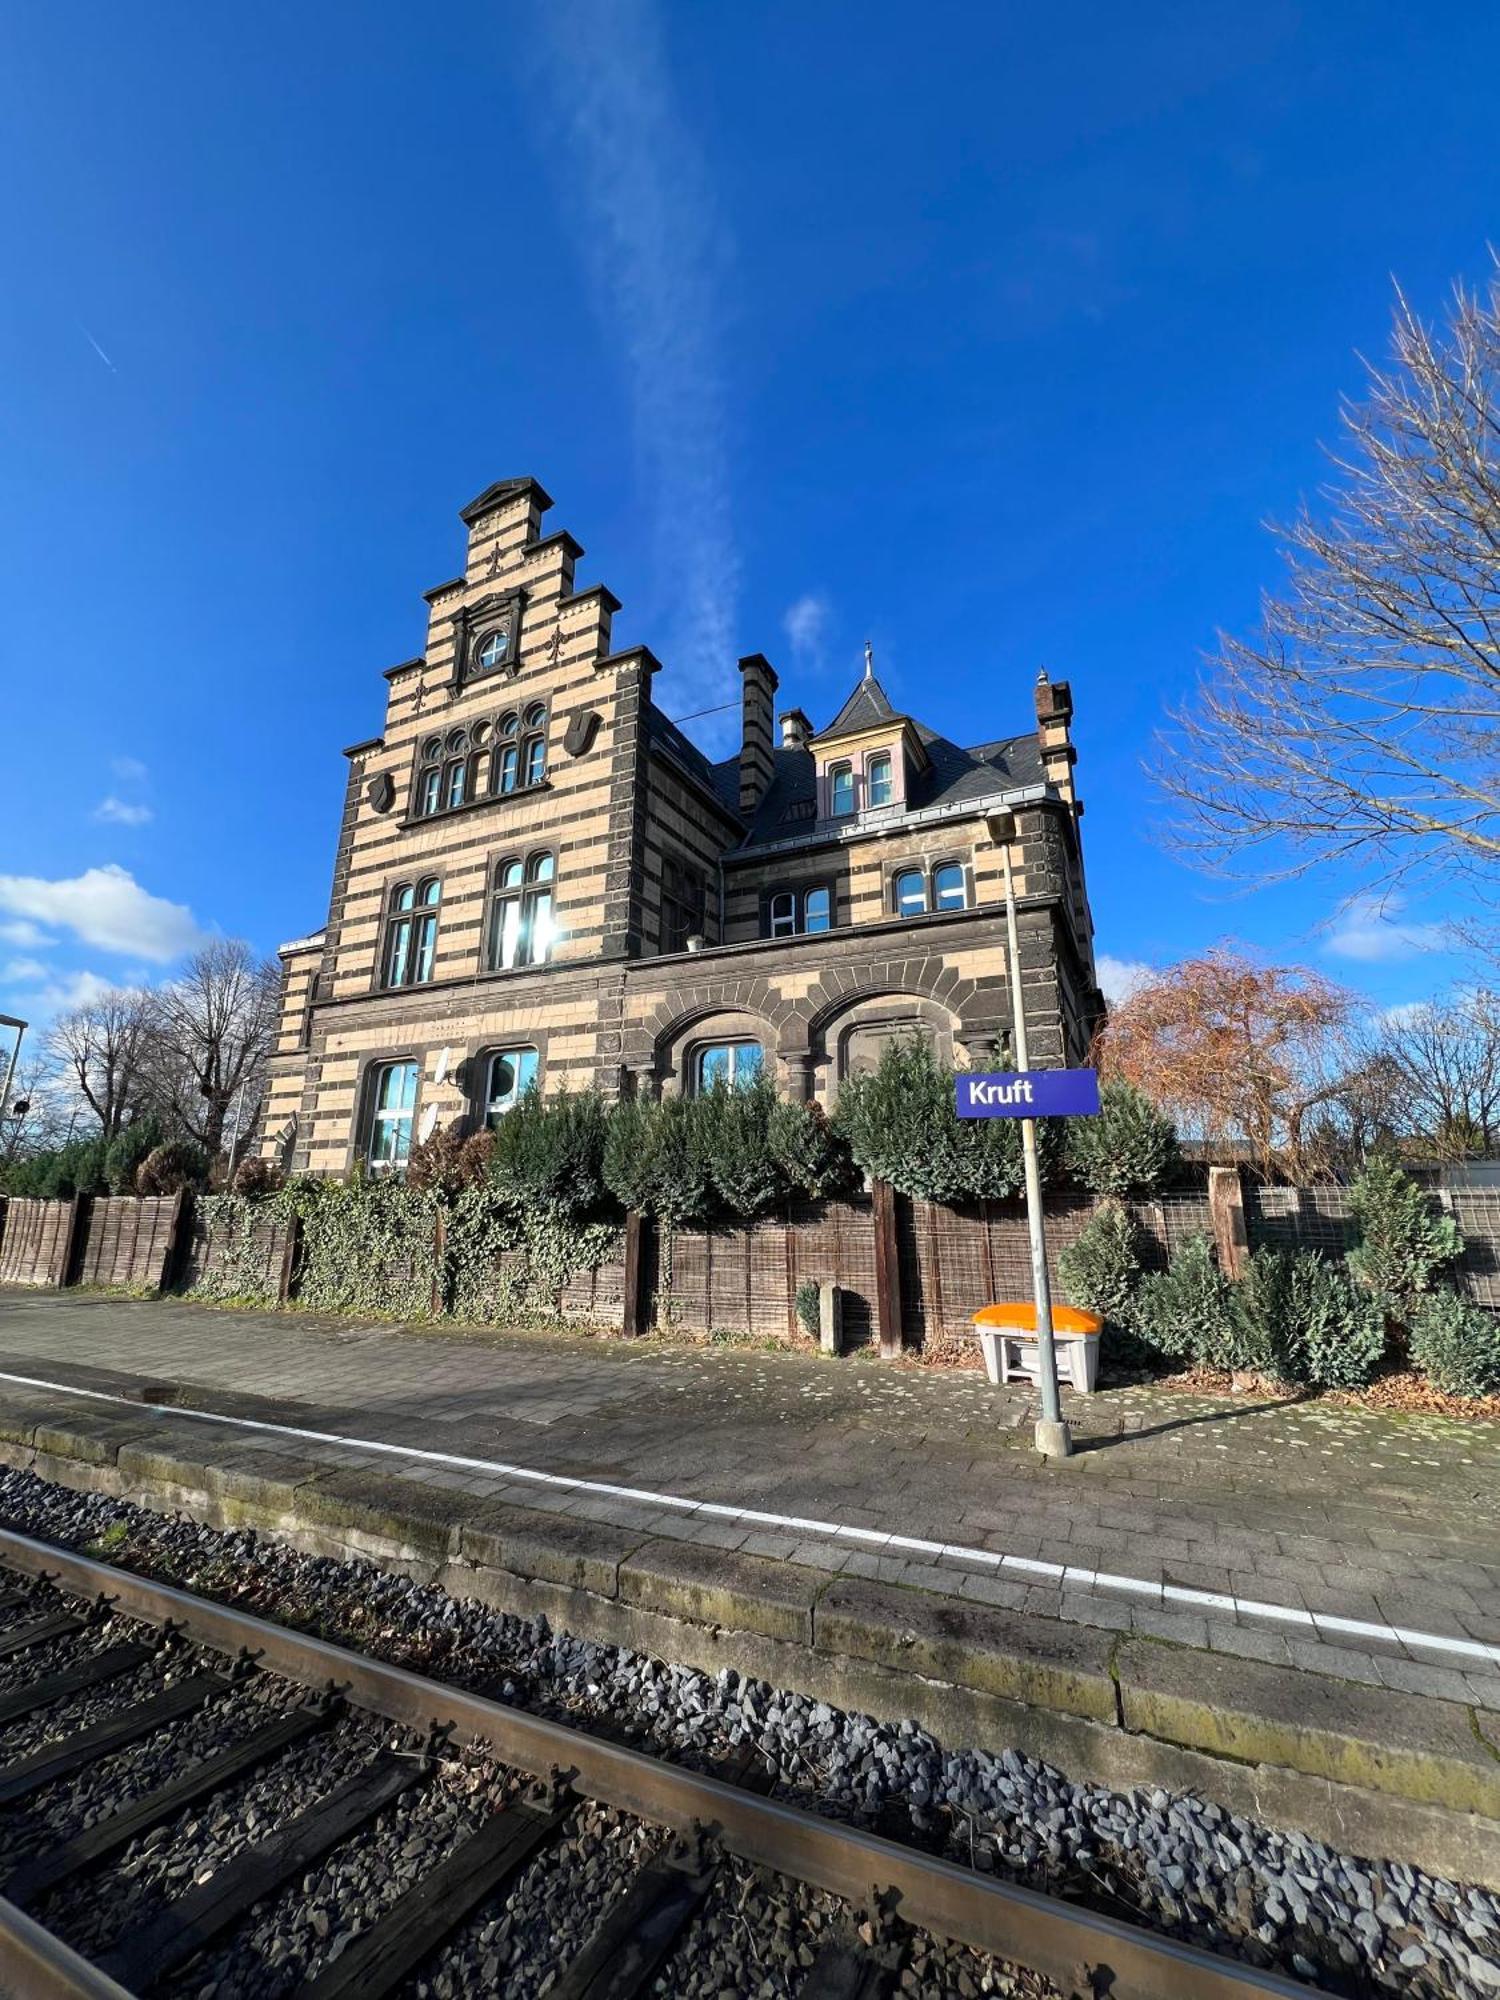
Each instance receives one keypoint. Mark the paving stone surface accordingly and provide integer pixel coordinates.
(1333, 1514)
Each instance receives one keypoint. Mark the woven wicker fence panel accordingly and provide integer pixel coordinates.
(1477, 1213)
(127, 1241)
(743, 1278)
(247, 1263)
(1284, 1218)
(596, 1294)
(35, 1241)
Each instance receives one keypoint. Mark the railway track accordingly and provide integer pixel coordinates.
(100, 1668)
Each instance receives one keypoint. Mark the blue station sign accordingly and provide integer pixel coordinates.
(1030, 1093)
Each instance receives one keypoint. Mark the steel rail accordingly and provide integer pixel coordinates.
(34, 1965)
(1079, 1949)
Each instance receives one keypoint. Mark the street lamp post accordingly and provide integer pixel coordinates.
(1053, 1438)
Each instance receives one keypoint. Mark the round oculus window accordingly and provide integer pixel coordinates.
(494, 647)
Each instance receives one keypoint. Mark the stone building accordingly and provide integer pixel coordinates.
(539, 878)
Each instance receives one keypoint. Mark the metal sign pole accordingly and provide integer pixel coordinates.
(1053, 1438)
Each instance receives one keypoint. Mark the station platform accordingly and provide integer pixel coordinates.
(1291, 1608)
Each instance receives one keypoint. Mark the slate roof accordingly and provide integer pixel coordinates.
(866, 708)
(953, 773)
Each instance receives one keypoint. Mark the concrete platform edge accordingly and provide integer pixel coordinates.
(1097, 1709)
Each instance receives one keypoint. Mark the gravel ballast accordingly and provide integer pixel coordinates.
(1172, 1860)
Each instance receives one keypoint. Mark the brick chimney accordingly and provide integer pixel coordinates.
(1054, 717)
(756, 764)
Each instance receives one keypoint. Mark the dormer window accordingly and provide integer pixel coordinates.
(878, 781)
(841, 790)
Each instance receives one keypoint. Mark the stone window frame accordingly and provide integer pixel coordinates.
(362, 1131)
(470, 747)
(799, 892)
(421, 907)
(472, 625)
(526, 893)
(927, 866)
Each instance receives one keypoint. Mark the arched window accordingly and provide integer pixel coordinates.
(793, 912)
(520, 923)
(455, 777)
(508, 1075)
(730, 1065)
(817, 910)
(508, 756)
(392, 1101)
(910, 890)
(430, 776)
(841, 790)
(411, 933)
(534, 749)
(878, 781)
(949, 889)
(784, 914)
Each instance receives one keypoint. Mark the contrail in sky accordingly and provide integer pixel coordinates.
(643, 217)
(97, 348)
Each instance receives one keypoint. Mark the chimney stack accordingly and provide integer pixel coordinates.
(757, 766)
(1054, 717)
(795, 730)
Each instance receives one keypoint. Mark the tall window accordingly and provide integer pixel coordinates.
(878, 781)
(911, 893)
(682, 894)
(949, 890)
(510, 755)
(734, 1064)
(393, 1098)
(790, 912)
(455, 786)
(534, 749)
(508, 1075)
(411, 933)
(520, 927)
(841, 790)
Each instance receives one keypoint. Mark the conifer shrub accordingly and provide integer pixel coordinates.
(256, 1178)
(549, 1152)
(1456, 1345)
(901, 1125)
(811, 1157)
(171, 1167)
(125, 1152)
(77, 1168)
(1299, 1317)
(809, 1311)
(1404, 1243)
(450, 1161)
(1101, 1269)
(1187, 1312)
(1130, 1147)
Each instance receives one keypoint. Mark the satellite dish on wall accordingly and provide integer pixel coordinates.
(444, 1062)
(426, 1123)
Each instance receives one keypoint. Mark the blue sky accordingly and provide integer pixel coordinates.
(989, 334)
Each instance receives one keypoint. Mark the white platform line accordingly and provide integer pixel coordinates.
(1028, 1566)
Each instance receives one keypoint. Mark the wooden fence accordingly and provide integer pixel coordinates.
(912, 1272)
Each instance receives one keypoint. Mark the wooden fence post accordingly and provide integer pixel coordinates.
(634, 1309)
(1226, 1208)
(289, 1251)
(75, 1235)
(179, 1231)
(887, 1269)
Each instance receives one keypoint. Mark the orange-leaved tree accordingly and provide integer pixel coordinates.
(1236, 1050)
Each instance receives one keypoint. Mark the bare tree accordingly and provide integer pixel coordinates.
(1439, 1068)
(40, 1086)
(102, 1046)
(1364, 722)
(210, 1038)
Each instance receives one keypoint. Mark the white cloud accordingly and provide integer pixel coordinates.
(130, 769)
(49, 994)
(1120, 977)
(119, 812)
(1368, 929)
(19, 931)
(806, 624)
(636, 197)
(23, 972)
(106, 907)
(1403, 1013)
